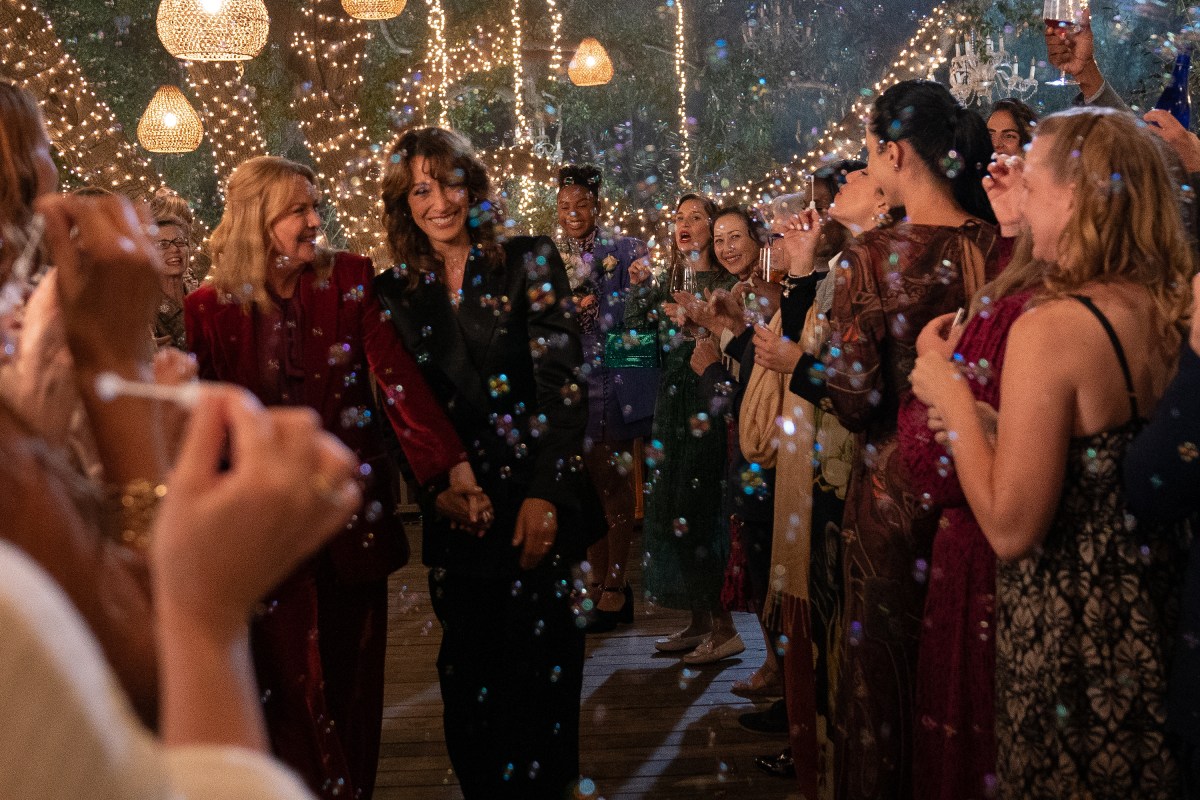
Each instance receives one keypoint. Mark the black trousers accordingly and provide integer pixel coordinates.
(511, 670)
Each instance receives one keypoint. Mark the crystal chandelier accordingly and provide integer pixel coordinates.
(992, 75)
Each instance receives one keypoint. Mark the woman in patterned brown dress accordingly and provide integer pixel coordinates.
(1086, 601)
(928, 154)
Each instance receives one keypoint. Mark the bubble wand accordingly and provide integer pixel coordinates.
(109, 386)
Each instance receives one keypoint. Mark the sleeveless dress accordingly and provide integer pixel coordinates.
(954, 746)
(1084, 633)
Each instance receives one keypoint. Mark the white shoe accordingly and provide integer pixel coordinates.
(709, 653)
(678, 643)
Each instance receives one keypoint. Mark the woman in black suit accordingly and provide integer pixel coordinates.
(492, 327)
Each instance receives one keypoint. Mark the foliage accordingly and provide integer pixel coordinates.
(764, 76)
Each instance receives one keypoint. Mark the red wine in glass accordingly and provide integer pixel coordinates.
(1065, 17)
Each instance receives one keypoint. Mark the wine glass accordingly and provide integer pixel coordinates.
(1066, 17)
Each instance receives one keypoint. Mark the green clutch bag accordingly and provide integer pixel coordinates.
(630, 349)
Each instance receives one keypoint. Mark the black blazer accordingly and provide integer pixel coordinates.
(506, 367)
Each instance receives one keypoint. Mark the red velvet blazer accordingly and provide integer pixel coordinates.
(346, 334)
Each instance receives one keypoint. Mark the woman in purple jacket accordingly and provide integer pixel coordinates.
(620, 399)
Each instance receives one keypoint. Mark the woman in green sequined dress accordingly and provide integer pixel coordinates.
(685, 540)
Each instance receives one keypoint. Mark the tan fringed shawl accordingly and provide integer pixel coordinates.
(777, 430)
(782, 430)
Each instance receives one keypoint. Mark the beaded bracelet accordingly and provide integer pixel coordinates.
(133, 506)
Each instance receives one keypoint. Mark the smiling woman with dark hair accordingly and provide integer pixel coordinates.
(620, 394)
(494, 331)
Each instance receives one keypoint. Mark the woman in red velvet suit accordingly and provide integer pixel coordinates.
(299, 325)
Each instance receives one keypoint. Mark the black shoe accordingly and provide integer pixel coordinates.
(780, 766)
(770, 722)
(605, 621)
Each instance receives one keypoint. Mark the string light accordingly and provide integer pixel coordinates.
(480, 52)
(556, 19)
(438, 55)
(924, 54)
(331, 47)
(522, 132)
(230, 117)
(82, 128)
(685, 157)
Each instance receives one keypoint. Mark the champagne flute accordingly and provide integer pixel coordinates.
(1066, 17)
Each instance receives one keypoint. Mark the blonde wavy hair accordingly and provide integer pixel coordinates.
(258, 194)
(1125, 222)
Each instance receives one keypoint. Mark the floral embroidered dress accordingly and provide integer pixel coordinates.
(889, 284)
(1085, 628)
(954, 741)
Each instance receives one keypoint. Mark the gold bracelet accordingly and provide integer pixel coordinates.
(133, 506)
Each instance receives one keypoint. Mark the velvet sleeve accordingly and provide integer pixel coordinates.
(198, 341)
(1162, 466)
(561, 391)
(854, 372)
(430, 445)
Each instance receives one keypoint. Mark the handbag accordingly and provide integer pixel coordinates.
(630, 349)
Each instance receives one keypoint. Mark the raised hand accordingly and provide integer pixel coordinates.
(1185, 143)
(1003, 185)
(107, 277)
(801, 234)
(774, 352)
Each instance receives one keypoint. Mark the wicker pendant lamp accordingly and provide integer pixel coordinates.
(170, 124)
(374, 9)
(591, 65)
(213, 30)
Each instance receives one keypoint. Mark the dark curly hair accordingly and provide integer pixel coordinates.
(584, 175)
(951, 140)
(451, 160)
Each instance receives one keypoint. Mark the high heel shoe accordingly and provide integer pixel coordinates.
(605, 621)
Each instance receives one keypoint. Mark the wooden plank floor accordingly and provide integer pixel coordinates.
(650, 728)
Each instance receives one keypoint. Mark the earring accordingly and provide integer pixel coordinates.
(282, 262)
(896, 167)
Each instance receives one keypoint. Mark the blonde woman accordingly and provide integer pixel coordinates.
(298, 325)
(1086, 602)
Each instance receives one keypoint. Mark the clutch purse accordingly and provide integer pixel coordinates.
(630, 349)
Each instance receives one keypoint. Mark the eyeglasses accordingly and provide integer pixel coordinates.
(166, 244)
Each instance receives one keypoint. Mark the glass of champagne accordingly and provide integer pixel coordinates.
(1066, 18)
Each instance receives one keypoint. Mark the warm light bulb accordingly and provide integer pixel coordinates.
(590, 61)
(170, 119)
(211, 6)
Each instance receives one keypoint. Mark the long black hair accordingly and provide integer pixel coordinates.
(952, 141)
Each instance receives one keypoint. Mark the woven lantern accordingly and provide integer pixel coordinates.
(170, 124)
(213, 30)
(374, 9)
(591, 65)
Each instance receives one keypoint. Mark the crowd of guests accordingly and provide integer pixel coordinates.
(936, 426)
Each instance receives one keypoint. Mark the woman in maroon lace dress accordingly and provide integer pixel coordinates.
(890, 283)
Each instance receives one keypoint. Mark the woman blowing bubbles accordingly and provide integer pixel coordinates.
(495, 335)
